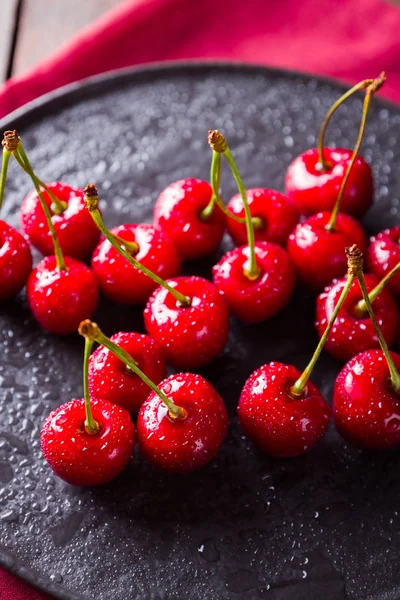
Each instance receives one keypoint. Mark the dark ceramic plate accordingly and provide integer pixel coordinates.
(324, 525)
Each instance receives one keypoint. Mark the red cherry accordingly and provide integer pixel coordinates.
(256, 300)
(85, 459)
(315, 190)
(15, 261)
(182, 446)
(124, 283)
(275, 421)
(366, 408)
(383, 255)
(351, 333)
(318, 254)
(177, 212)
(76, 232)
(189, 336)
(278, 214)
(61, 299)
(111, 380)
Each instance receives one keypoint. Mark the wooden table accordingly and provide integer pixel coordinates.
(33, 29)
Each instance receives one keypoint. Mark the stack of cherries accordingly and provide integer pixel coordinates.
(181, 420)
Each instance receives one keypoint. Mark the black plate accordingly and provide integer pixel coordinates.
(324, 525)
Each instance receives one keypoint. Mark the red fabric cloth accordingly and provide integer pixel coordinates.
(346, 39)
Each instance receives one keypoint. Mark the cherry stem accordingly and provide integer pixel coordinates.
(298, 387)
(19, 154)
(130, 247)
(58, 205)
(361, 307)
(92, 332)
(215, 176)
(320, 145)
(370, 91)
(394, 374)
(4, 168)
(91, 426)
(91, 202)
(219, 144)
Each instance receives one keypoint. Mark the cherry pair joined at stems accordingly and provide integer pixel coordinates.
(317, 245)
(282, 412)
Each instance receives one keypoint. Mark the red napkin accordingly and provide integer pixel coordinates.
(348, 40)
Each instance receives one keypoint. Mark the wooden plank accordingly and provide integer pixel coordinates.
(46, 24)
(8, 15)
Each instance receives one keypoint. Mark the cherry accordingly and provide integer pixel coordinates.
(367, 391)
(193, 333)
(280, 410)
(314, 178)
(276, 214)
(110, 379)
(182, 445)
(15, 261)
(123, 261)
(314, 189)
(87, 442)
(278, 422)
(366, 406)
(75, 229)
(60, 298)
(255, 300)
(353, 331)
(317, 253)
(257, 279)
(179, 213)
(383, 255)
(124, 283)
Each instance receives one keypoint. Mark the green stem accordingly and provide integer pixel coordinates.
(216, 198)
(320, 145)
(4, 168)
(297, 389)
(58, 205)
(57, 248)
(253, 272)
(131, 247)
(96, 216)
(331, 226)
(361, 307)
(394, 375)
(91, 426)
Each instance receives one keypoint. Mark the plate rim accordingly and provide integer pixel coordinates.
(124, 74)
(101, 82)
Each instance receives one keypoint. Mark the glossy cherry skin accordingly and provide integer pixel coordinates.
(75, 228)
(278, 213)
(15, 261)
(261, 299)
(189, 336)
(125, 284)
(182, 446)
(319, 255)
(60, 300)
(177, 212)
(383, 254)
(111, 380)
(81, 458)
(366, 409)
(350, 333)
(277, 423)
(315, 191)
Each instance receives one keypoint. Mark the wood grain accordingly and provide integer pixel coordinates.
(46, 24)
(7, 21)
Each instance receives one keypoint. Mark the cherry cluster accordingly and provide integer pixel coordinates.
(311, 234)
